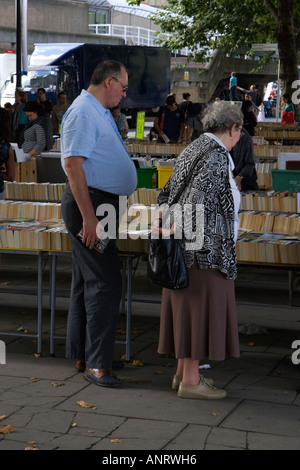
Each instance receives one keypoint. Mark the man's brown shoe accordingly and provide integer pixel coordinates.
(102, 377)
(81, 365)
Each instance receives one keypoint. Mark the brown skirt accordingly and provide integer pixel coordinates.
(200, 321)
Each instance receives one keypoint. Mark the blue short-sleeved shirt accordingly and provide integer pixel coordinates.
(233, 81)
(88, 130)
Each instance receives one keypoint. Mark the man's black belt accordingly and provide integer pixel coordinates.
(103, 193)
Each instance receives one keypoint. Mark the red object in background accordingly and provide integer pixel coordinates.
(9, 51)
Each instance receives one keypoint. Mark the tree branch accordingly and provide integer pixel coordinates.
(272, 9)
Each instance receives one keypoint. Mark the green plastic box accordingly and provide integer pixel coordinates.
(147, 177)
(286, 180)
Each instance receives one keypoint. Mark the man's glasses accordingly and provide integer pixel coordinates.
(125, 87)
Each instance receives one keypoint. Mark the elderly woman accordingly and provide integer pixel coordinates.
(200, 321)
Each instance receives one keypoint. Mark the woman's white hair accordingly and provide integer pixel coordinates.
(221, 116)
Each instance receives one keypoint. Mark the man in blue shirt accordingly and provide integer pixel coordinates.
(99, 170)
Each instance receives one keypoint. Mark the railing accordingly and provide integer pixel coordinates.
(133, 35)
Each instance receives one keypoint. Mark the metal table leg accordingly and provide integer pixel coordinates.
(40, 302)
(52, 302)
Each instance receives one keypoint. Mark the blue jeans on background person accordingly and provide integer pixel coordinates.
(232, 93)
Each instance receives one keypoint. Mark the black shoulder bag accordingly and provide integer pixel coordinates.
(166, 265)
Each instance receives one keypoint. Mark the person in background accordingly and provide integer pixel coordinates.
(169, 121)
(243, 157)
(58, 112)
(38, 135)
(261, 113)
(268, 105)
(232, 85)
(200, 321)
(250, 121)
(99, 170)
(185, 107)
(19, 118)
(288, 110)
(255, 98)
(121, 121)
(42, 100)
(255, 108)
(7, 166)
(194, 124)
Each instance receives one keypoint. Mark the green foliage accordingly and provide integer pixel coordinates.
(193, 24)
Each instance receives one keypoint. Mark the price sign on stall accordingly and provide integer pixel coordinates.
(140, 124)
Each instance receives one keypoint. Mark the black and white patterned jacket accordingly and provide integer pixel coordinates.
(209, 186)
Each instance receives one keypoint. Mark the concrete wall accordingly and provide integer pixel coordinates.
(45, 20)
(52, 15)
(204, 78)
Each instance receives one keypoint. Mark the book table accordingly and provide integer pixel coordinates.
(127, 274)
(39, 255)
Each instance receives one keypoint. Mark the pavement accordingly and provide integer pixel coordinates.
(45, 404)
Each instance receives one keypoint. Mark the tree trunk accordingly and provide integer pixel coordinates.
(287, 48)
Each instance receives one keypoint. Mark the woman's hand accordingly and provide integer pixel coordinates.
(157, 229)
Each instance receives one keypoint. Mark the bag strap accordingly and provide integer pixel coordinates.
(186, 181)
(189, 175)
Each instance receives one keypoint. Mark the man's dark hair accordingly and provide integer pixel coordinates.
(170, 100)
(107, 68)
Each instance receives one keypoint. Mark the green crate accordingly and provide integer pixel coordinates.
(286, 180)
(147, 177)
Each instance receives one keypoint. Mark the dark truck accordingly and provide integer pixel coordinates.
(69, 67)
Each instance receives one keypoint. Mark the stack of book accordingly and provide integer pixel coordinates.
(273, 222)
(268, 248)
(270, 201)
(34, 191)
(29, 210)
(29, 235)
(263, 169)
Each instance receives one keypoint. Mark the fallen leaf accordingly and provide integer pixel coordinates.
(73, 425)
(159, 372)
(115, 441)
(7, 429)
(251, 344)
(32, 378)
(31, 448)
(37, 355)
(31, 442)
(57, 384)
(123, 358)
(136, 362)
(5, 283)
(91, 431)
(121, 331)
(216, 413)
(2, 417)
(84, 404)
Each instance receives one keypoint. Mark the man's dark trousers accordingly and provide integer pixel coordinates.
(96, 289)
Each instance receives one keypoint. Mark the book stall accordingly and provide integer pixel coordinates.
(269, 235)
